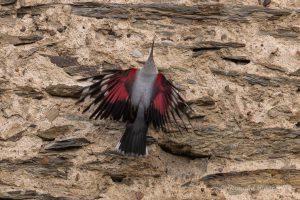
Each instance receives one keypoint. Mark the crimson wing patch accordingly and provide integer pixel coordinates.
(166, 106)
(112, 95)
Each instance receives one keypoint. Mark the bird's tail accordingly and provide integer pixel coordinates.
(133, 141)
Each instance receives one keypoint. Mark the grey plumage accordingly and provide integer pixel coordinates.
(134, 138)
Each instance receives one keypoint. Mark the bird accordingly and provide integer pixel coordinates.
(139, 97)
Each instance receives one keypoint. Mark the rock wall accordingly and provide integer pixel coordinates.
(237, 64)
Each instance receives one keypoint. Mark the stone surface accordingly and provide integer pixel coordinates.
(71, 143)
(61, 90)
(7, 2)
(28, 194)
(242, 60)
(136, 53)
(236, 63)
(54, 132)
(28, 92)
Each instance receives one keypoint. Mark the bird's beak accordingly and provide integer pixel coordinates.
(152, 47)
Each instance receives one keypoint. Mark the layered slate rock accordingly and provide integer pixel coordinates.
(28, 194)
(45, 165)
(61, 90)
(246, 144)
(28, 92)
(161, 11)
(266, 177)
(53, 132)
(236, 63)
(72, 143)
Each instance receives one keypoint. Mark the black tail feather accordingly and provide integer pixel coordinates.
(133, 141)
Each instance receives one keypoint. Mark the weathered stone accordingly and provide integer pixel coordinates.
(225, 73)
(66, 144)
(12, 131)
(200, 47)
(29, 194)
(85, 71)
(7, 2)
(283, 32)
(242, 60)
(279, 111)
(266, 2)
(19, 40)
(243, 144)
(274, 67)
(296, 73)
(263, 81)
(6, 13)
(203, 101)
(161, 11)
(228, 89)
(51, 133)
(89, 70)
(46, 165)
(52, 114)
(28, 92)
(257, 178)
(73, 68)
(254, 79)
(127, 166)
(23, 40)
(139, 195)
(61, 90)
(196, 115)
(23, 29)
(32, 10)
(63, 61)
(190, 81)
(182, 150)
(61, 29)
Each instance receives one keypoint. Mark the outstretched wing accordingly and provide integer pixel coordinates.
(166, 106)
(112, 95)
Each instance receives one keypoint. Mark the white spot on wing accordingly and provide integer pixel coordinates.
(118, 146)
(103, 88)
(105, 81)
(87, 98)
(86, 90)
(174, 93)
(108, 75)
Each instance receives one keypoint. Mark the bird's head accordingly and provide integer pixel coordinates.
(149, 66)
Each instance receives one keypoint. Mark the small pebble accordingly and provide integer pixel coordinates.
(136, 53)
(51, 32)
(23, 29)
(52, 114)
(266, 2)
(61, 29)
(190, 81)
(228, 89)
(139, 195)
(210, 92)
